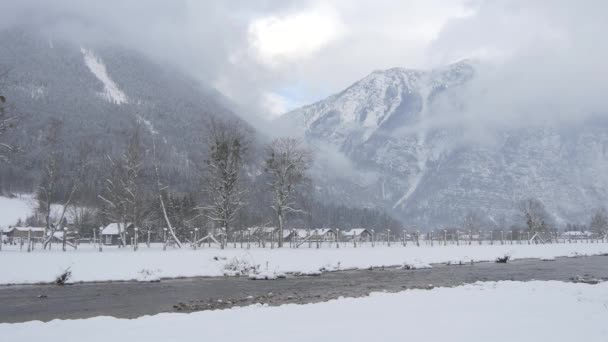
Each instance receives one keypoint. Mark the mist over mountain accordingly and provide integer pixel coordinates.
(99, 93)
(405, 142)
(400, 140)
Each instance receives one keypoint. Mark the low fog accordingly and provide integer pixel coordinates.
(536, 62)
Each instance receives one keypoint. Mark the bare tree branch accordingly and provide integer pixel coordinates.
(287, 164)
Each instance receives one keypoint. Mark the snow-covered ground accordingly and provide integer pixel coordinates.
(13, 209)
(491, 311)
(87, 264)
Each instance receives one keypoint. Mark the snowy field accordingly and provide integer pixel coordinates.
(87, 264)
(13, 209)
(491, 311)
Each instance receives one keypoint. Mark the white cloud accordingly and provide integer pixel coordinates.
(275, 103)
(249, 49)
(294, 36)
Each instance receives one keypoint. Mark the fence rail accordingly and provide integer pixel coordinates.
(246, 240)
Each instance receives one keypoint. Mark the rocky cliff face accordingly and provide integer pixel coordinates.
(409, 153)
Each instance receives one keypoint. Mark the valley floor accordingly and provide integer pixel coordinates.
(488, 311)
(148, 264)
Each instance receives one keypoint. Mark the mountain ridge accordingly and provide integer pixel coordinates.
(403, 131)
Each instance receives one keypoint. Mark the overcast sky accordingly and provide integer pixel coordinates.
(271, 56)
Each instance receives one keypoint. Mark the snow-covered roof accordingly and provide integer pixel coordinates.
(577, 233)
(254, 230)
(355, 232)
(23, 229)
(112, 228)
(322, 231)
(301, 233)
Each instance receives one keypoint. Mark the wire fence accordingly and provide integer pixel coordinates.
(306, 238)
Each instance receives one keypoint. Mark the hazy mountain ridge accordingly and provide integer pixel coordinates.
(392, 126)
(99, 91)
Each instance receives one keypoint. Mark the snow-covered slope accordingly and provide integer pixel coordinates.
(413, 155)
(99, 91)
(378, 104)
(13, 209)
(111, 91)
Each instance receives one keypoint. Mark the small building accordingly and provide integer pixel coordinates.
(295, 234)
(573, 235)
(110, 234)
(261, 233)
(357, 234)
(13, 233)
(467, 237)
(323, 234)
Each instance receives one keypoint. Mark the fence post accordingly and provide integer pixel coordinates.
(373, 241)
(65, 230)
(100, 235)
(136, 246)
(309, 239)
(29, 239)
(272, 240)
(195, 238)
(337, 237)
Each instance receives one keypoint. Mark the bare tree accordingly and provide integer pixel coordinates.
(160, 190)
(227, 147)
(61, 180)
(84, 218)
(472, 221)
(7, 122)
(599, 222)
(49, 184)
(287, 164)
(534, 214)
(123, 195)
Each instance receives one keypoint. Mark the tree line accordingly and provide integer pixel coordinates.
(238, 182)
(532, 216)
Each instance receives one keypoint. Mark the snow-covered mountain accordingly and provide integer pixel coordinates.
(98, 91)
(408, 151)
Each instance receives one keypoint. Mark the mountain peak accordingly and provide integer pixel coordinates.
(406, 158)
(383, 100)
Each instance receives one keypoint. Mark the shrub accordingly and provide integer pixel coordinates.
(503, 260)
(63, 277)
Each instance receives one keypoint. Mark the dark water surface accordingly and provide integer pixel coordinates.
(130, 299)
